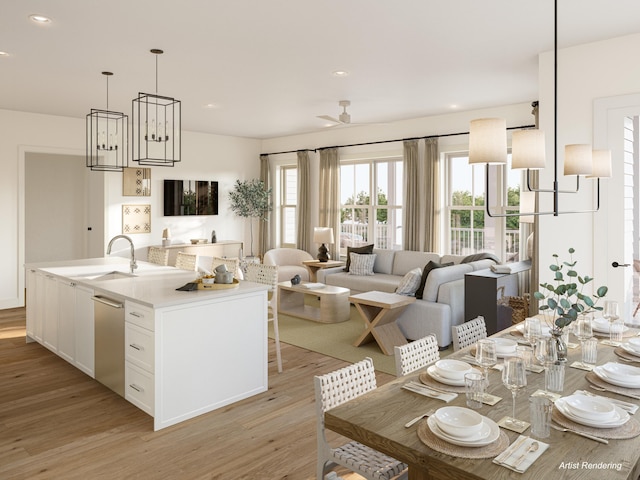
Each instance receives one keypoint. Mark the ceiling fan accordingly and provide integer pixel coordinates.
(343, 119)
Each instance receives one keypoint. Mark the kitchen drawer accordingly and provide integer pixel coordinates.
(139, 388)
(139, 346)
(139, 315)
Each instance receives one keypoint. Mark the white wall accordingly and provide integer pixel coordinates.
(585, 73)
(204, 156)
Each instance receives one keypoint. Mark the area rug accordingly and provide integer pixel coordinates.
(333, 339)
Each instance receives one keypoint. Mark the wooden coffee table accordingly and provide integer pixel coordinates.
(380, 311)
(334, 302)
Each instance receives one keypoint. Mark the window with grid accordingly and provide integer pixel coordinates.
(288, 205)
(371, 204)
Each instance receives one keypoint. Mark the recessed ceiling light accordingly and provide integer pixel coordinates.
(453, 107)
(4, 54)
(210, 105)
(37, 18)
(340, 73)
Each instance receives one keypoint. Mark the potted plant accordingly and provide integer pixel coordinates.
(249, 199)
(564, 299)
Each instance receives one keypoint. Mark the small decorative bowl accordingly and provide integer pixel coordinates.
(505, 345)
(208, 281)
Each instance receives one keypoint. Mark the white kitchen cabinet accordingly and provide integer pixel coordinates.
(32, 302)
(50, 314)
(66, 320)
(84, 333)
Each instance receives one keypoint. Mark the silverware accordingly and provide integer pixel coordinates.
(422, 391)
(601, 389)
(585, 435)
(513, 449)
(532, 448)
(427, 387)
(419, 417)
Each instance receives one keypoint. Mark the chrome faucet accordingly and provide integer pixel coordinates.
(132, 264)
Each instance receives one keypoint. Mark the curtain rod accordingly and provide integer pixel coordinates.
(388, 141)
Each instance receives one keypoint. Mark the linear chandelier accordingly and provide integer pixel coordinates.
(488, 144)
(107, 138)
(157, 127)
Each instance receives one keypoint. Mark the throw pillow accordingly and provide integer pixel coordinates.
(410, 283)
(362, 264)
(366, 249)
(425, 273)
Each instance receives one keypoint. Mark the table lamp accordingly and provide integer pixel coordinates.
(323, 235)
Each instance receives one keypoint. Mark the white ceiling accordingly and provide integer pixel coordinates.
(267, 64)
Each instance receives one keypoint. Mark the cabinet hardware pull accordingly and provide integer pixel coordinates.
(136, 388)
(137, 347)
(136, 314)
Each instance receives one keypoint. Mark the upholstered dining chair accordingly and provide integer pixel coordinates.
(157, 255)
(336, 388)
(233, 265)
(468, 333)
(415, 355)
(187, 261)
(268, 275)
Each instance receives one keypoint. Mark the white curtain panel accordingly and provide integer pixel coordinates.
(432, 188)
(264, 241)
(303, 213)
(411, 203)
(330, 196)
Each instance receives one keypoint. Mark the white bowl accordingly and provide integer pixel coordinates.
(634, 343)
(504, 345)
(590, 407)
(208, 281)
(458, 422)
(619, 371)
(452, 369)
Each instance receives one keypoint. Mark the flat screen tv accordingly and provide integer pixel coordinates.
(190, 197)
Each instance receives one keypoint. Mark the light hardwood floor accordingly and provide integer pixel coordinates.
(57, 423)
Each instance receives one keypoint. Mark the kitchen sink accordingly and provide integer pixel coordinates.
(108, 276)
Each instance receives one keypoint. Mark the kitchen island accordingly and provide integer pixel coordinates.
(185, 353)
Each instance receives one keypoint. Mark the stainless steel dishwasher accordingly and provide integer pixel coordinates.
(109, 343)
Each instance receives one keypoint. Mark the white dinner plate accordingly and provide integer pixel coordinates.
(546, 331)
(602, 325)
(621, 371)
(433, 373)
(594, 408)
(619, 419)
(629, 348)
(489, 433)
(599, 371)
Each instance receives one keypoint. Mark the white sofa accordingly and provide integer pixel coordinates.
(442, 305)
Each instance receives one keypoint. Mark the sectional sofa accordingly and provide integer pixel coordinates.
(442, 302)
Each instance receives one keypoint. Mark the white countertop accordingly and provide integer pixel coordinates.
(153, 285)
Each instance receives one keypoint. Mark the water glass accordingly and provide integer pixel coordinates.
(514, 377)
(486, 356)
(540, 415)
(532, 330)
(590, 351)
(526, 354)
(554, 377)
(474, 389)
(615, 330)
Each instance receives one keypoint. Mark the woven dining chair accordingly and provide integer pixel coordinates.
(187, 261)
(468, 333)
(157, 255)
(268, 275)
(415, 355)
(336, 388)
(233, 265)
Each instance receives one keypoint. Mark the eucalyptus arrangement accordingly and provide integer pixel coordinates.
(564, 299)
(249, 199)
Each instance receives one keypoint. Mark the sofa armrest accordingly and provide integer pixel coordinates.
(422, 318)
(323, 272)
(452, 294)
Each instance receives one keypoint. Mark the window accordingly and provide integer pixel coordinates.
(288, 205)
(367, 218)
(471, 230)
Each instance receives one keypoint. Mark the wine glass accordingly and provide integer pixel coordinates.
(514, 377)
(532, 330)
(610, 312)
(583, 329)
(546, 353)
(486, 356)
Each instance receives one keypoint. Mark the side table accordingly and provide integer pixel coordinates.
(379, 310)
(314, 265)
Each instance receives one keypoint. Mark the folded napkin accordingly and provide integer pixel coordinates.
(312, 285)
(521, 454)
(429, 392)
(626, 406)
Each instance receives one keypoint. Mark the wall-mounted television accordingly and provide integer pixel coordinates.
(190, 197)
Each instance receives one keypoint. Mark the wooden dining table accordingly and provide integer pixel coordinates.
(377, 419)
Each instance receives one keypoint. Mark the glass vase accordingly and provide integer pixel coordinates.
(561, 346)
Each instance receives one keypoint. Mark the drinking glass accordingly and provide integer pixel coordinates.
(546, 353)
(610, 312)
(583, 330)
(514, 377)
(532, 330)
(486, 356)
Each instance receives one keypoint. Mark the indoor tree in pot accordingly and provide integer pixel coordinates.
(564, 299)
(249, 199)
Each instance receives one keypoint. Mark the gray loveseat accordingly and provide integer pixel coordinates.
(442, 305)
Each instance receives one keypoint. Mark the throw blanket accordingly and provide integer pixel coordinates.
(480, 256)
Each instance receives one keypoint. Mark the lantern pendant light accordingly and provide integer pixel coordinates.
(157, 123)
(107, 138)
